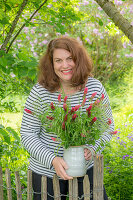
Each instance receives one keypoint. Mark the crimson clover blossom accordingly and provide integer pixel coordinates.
(77, 125)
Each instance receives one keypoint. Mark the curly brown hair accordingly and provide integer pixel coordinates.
(83, 64)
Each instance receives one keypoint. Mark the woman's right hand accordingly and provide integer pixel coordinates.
(60, 166)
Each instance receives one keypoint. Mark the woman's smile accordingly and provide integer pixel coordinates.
(67, 72)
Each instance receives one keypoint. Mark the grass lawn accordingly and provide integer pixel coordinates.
(11, 119)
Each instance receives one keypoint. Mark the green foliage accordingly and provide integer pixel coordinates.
(11, 153)
(12, 156)
(15, 72)
(120, 91)
(10, 87)
(118, 158)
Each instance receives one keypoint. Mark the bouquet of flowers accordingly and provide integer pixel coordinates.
(75, 126)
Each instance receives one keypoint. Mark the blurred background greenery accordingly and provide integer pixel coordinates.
(112, 54)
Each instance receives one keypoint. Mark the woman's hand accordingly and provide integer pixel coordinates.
(60, 166)
(88, 154)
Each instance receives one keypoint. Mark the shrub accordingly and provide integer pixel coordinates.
(118, 172)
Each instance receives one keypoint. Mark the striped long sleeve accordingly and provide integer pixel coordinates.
(37, 141)
(30, 130)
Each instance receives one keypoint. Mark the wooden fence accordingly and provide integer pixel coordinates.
(73, 185)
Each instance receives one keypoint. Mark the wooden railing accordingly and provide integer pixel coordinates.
(73, 184)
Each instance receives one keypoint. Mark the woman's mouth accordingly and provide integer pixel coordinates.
(66, 72)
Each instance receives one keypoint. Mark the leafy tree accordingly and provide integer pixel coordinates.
(117, 18)
(27, 26)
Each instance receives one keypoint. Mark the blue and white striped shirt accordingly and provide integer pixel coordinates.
(38, 142)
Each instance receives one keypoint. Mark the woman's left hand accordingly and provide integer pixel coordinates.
(88, 154)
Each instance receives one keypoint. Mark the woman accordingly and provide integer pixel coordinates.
(65, 68)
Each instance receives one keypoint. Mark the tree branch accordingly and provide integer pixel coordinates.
(122, 23)
(14, 25)
(24, 25)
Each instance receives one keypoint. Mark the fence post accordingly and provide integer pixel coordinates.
(73, 189)
(18, 186)
(70, 190)
(29, 185)
(8, 183)
(56, 188)
(1, 184)
(44, 188)
(86, 187)
(98, 177)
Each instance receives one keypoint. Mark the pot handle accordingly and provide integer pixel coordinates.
(92, 152)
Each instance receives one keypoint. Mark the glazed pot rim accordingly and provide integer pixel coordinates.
(75, 146)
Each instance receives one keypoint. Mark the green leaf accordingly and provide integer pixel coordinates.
(3, 61)
(14, 133)
(3, 69)
(2, 52)
(108, 27)
(36, 4)
(31, 64)
(4, 21)
(100, 22)
(8, 7)
(10, 59)
(92, 19)
(1, 126)
(23, 71)
(32, 74)
(5, 135)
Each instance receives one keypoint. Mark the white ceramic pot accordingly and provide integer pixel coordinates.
(74, 157)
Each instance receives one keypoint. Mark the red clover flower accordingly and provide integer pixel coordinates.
(93, 95)
(72, 110)
(74, 116)
(65, 99)
(50, 117)
(65, 118)
(114, 132)
(54, 139)
(63, 125)
(85, 90)
(102, 97)
(93, 120)
(59, 98)
(65, 107)
(52, 106)
(97, 102)
(89, 113)
(28, 111)
(77, 107)
(83, 135)
(83, 103)
(89, 108)
(109, 121)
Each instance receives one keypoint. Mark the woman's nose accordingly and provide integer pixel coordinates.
(65, 64)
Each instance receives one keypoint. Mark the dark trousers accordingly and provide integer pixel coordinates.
(36, 181)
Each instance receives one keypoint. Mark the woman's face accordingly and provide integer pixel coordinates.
(63, 65)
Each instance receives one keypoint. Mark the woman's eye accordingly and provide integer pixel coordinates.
(58, 61)
(70, 58)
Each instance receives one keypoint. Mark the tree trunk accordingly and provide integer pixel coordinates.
(14, 38)
(123, 24)
(9, 35)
